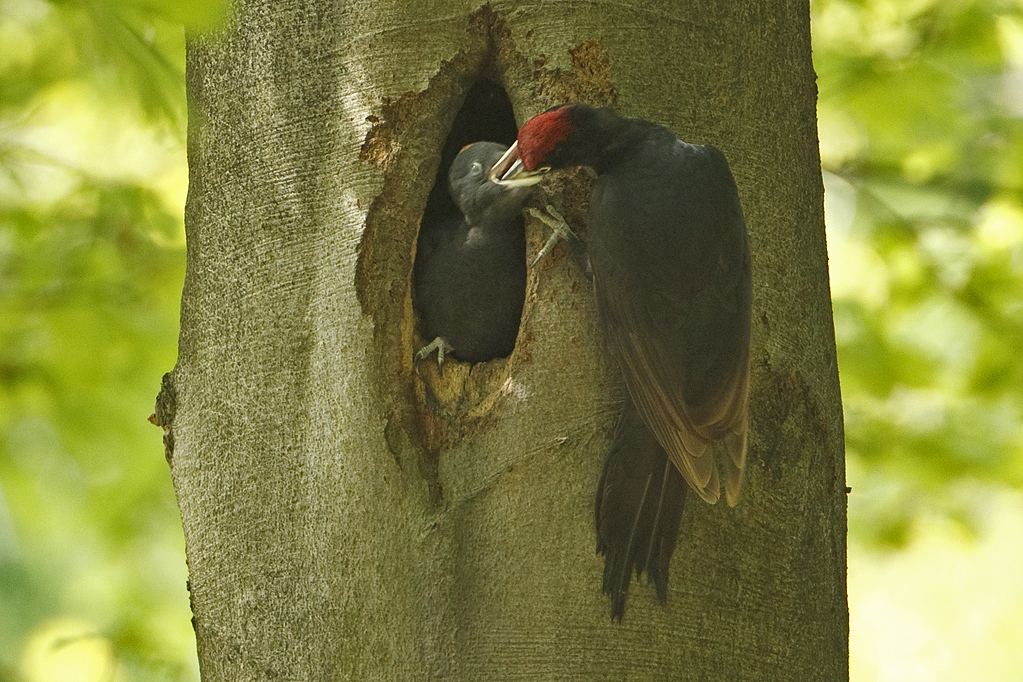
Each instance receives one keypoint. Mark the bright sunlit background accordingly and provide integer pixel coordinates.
(922, 146)
(920, 114)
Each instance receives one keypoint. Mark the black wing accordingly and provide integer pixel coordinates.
(672, 276)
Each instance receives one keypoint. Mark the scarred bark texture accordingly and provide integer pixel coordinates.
(350, 515)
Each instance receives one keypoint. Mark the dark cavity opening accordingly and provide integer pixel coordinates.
(486, 115)
(469, 275)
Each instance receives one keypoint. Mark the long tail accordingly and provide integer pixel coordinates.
(638, 510)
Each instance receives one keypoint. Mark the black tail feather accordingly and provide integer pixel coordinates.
(638, 511)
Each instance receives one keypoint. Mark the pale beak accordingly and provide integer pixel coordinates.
(509, 171)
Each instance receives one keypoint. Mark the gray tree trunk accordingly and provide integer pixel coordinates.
(350, 515)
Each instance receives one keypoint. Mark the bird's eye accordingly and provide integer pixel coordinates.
(477, 168)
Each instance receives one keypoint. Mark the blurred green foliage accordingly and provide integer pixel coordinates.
(920, 120)
(92, 178)
(922, 145)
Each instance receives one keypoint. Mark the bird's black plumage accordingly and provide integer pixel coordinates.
(671, 268)
(470, 269)
(638, 510)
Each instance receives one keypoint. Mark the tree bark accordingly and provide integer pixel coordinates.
(349, 514)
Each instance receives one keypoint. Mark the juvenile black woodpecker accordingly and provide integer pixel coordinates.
(469, 277)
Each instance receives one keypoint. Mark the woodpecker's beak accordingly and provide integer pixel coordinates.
(509, 171)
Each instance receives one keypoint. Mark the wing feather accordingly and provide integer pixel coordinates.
(680, 326)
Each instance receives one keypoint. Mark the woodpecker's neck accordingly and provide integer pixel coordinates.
(602, 139)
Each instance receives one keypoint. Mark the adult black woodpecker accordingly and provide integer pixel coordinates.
(671, 270)
(469, 277)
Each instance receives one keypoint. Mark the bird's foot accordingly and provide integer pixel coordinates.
(559, 225)
(439, 345)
